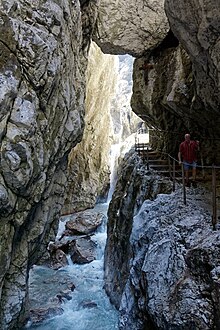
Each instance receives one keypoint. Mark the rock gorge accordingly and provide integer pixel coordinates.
(43, 59)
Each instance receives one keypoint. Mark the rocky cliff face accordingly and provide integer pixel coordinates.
(135, 184)
(108, 120)
(173, 279)
(162, 257)
(43, 51)
(124, 120)
(200, 38)
(169, 263)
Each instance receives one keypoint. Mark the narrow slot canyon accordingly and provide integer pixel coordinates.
(107, 220)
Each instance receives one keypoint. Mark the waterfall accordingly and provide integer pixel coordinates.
(114, 155)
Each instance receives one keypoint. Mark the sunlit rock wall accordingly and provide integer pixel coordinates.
(109, 120)
(88, 165)
(124, 121)
(43, 57)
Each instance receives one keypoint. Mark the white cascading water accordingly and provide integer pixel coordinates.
(87, 278)
(114, 154)
(88, 281)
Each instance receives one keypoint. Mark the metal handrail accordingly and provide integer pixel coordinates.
(172, 173)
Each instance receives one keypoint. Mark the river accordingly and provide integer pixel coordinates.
(88, 307)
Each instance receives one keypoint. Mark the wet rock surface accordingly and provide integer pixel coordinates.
(170, 278)
(83, 250)
(75, 240)
(39, 315)
(135, 184)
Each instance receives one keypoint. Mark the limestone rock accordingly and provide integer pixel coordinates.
(162, 94)
(124, 121)
(84, 222)
(83, 251)
(43, 58)
(169, 279)
(59, 259)
(196, 24)
(109, 119)
(135, 184)
(130, 27)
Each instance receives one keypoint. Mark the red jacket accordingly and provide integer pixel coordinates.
(189, 150)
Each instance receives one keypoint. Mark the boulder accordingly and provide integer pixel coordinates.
(58, 259)
(83, 251)
(41, 314)
(88, 304)
(130, 27)
(85, 222)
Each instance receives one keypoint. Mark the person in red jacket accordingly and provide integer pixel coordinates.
(188, 155)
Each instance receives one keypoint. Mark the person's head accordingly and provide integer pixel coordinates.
(187, 137)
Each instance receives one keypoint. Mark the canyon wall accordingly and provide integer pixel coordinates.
(157, 271)
(162, 256)
(43, 58)
(176, 75)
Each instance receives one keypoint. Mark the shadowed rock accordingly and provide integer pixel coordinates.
(41, 314)
(83, 251)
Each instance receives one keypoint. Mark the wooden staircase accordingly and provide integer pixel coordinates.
(165, 166)
(155, 162)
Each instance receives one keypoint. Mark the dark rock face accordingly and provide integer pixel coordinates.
(200, 38)
(135, 184)
(162, 94)
(83, 250)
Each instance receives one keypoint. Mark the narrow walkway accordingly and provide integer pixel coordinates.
(169, 166)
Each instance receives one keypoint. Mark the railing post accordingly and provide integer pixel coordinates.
(184, 187)
(147, 159)
(169, 164)
(174, 175)
(202, 164)
(214, 210)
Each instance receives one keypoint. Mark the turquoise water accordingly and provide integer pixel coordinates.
(98, 314)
